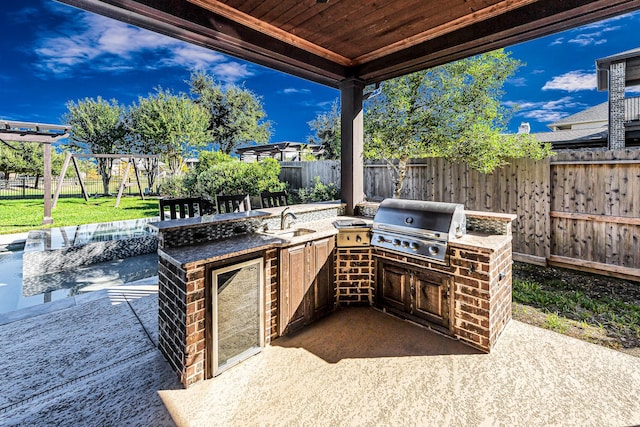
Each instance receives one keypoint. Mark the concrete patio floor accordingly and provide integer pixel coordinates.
(97, 364)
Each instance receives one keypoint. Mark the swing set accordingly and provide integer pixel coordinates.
(131, 162)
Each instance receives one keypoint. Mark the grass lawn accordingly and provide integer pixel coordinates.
(17, 216)
(595, 308)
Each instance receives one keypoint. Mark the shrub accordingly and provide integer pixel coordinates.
(318, 192)
(172, 186)
(220, 175)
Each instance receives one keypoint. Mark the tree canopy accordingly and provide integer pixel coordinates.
(97, 128)
(237, 114)
(452, 111)
(326, 131)
(168, 124)
(25, 158)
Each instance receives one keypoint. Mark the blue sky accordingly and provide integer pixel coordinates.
(52, 53)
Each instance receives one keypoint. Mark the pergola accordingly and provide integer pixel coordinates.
(348, 44)
(46, 135)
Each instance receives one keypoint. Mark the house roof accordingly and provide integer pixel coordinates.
(632, 68)
(332, 41)
(574, 137)
(278, 147)
(597, 113)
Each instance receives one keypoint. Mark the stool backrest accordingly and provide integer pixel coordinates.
(233, 203)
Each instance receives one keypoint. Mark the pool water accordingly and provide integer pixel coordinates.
(63, 262)
(14, 295)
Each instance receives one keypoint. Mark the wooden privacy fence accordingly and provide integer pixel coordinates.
(302, 174)
(579, 209)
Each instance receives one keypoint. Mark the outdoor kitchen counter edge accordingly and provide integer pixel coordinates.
(218, 250)
(262, 213)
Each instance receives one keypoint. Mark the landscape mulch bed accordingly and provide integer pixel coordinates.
(609, 320)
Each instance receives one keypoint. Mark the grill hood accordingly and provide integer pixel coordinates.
(444, 221)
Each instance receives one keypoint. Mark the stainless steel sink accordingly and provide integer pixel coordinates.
(293, 232)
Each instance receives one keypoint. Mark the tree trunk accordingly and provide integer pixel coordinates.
(152, 172)
(35, 186)
(398, 174)
(104, 167)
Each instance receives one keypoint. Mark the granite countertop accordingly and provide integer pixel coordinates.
(474, 241)
(204, 253)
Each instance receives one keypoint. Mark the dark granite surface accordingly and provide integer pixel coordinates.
(190, 256)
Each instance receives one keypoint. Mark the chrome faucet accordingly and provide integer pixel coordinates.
(283, 217)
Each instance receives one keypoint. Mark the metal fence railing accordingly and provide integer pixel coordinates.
(30, 187)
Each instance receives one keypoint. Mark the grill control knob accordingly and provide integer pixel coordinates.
(358, 238)
(396, 242)
(414, 246)
(433, 250)
(381, 239)
(405, 244)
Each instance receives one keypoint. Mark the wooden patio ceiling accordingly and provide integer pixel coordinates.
(374, 40)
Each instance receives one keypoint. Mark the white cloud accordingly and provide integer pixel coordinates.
(94, 43)
(543, 116)
(572, 81)
(545, 111)
(518, 82)
(231, 72)
(292, 90)
(557, 41)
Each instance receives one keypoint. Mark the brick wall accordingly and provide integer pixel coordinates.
(354, 276)
(183, 314)
(481, 289)
(272, 291)
(482, 294)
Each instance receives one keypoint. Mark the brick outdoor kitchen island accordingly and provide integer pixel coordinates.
(228, 287)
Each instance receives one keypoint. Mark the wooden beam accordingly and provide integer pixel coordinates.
(530, 21)
(441, 30)
(270, 30)
(530, 259)
(595, 267)
(595, 218)
(46, 157)
(63, 172)
(123, 183)
(82, 187)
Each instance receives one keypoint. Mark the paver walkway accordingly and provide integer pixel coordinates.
(97, 364)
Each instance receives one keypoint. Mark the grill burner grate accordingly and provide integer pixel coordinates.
(418, 228)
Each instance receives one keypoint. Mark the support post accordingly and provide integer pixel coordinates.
(123, 183)
(46, 157)
(63, 172)
(617, 79)
(352, 128)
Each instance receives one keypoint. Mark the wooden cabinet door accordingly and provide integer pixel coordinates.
(294, 285)
(393, 287)
(322, 295)
(430, 298)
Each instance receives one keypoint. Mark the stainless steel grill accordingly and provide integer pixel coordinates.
(418, 228)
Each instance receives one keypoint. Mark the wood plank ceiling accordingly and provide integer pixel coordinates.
(372, 40)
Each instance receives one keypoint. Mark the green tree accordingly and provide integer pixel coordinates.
(169, 125)
(237, 114)
(451, 111)
(326, 131)
(26, 158)
(97, 128)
